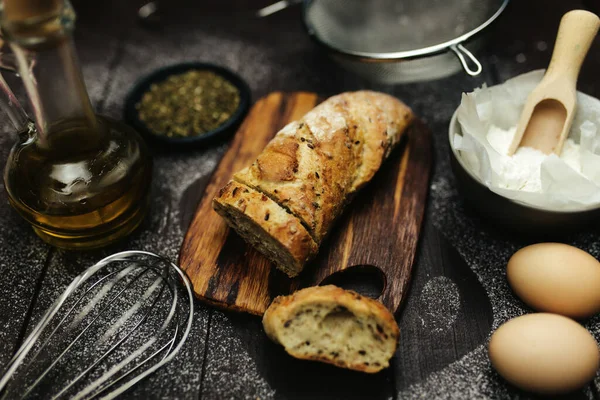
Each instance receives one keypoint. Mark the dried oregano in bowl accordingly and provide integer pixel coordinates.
(187, 103)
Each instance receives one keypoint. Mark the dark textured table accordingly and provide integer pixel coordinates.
(459, 293)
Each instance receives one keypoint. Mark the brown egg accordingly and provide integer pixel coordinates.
(557, 278)
(544, 353)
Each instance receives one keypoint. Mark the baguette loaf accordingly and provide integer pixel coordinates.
(335, 326)
(312, 167)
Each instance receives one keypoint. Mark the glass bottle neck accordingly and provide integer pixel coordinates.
(52, 76)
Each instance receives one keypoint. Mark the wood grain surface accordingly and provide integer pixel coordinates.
(380, 229)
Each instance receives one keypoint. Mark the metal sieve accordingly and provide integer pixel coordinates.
(401, 41)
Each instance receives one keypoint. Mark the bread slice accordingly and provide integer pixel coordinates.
(267, 226)
(335, 326)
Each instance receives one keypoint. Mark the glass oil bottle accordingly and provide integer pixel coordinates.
(81, 180)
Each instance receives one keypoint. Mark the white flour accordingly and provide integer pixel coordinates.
(522, 170)
(440, 303)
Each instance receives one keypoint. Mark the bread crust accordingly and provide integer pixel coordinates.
(388, 124)
(271, 219)
(283, 308)
(325, 162)
(313, 166)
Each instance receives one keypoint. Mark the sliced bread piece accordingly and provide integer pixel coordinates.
(335, 326)
(267, 226)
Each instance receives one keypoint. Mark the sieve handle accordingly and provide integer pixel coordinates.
(461, 52)
(276, 7)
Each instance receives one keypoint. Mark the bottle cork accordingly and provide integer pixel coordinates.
(20, 10)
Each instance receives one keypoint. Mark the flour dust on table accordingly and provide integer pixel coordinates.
(440, 298)
(241, 378)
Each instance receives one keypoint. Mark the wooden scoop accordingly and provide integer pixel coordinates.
(548, 114)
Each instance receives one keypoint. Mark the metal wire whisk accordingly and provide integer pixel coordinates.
(116, 323)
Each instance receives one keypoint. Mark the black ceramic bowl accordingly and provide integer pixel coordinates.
(517, 217)
(227, 128)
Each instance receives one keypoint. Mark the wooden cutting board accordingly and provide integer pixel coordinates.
(380, 228)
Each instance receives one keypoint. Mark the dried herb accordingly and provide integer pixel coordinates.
(189, 104)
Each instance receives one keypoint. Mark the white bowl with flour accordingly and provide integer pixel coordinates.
(487, 119)
(529, 192)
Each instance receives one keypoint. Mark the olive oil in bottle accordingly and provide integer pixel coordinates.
(80, 179)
